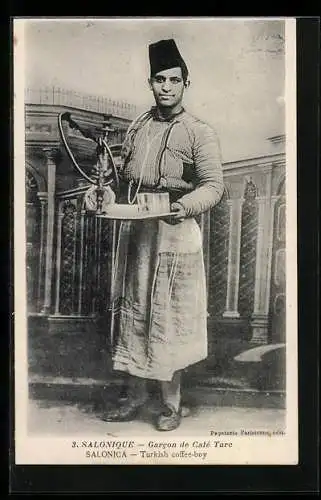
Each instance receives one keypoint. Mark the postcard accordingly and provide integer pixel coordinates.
(164, 333)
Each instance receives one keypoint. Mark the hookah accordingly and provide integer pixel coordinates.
(100, 193)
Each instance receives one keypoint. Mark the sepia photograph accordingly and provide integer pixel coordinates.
(155, 241)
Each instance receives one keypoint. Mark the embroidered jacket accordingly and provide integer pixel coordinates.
(181, 154)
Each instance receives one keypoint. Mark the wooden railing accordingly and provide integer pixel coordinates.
(63, 97)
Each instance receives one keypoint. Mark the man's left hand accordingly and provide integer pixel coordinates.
(178, 214)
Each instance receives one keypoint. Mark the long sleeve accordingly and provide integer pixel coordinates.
(208, 169)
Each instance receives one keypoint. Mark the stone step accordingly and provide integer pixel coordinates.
(214, 391)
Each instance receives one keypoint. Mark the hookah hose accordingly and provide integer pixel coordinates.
(116, 178)
(73, 160)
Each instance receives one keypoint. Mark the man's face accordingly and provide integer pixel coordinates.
(168, 87)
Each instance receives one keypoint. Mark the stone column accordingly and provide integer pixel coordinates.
(43, 197)
(233, 274)
(51, 176)
(260, 314)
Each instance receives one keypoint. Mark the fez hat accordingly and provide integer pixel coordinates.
(164, 55)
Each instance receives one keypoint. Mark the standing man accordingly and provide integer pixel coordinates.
(159, 299)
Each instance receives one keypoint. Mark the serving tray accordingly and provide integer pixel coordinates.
(138, 216)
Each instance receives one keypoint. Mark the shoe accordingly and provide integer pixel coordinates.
(124, 413)
(169, 419)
